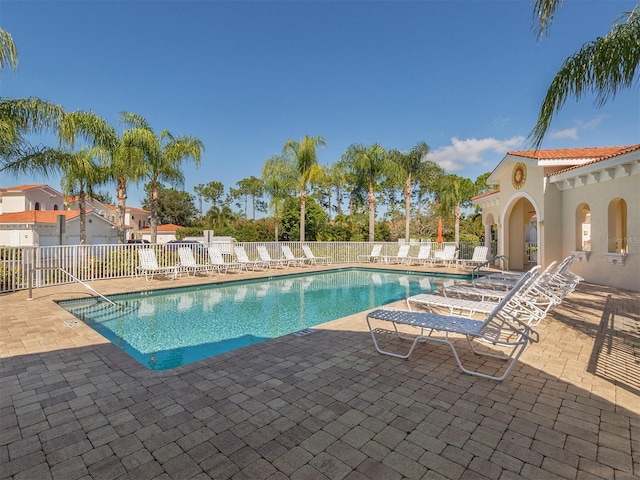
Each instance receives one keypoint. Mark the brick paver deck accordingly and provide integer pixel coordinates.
(319, 406)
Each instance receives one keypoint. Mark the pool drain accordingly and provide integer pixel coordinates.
(306, 331)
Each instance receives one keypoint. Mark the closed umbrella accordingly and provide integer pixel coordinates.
(440, 239)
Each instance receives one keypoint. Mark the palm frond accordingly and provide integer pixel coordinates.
(8, 51)
(543, 14)
(602, 67)
(30, 114)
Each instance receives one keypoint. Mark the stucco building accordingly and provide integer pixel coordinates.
(30, 215)
(583, 200)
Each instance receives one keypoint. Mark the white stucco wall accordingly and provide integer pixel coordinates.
(597, 269)
(18, 237)
(20, 202)
(98, 231)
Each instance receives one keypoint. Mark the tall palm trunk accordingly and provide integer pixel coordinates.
(303, 208)
(372, 213)
(456, 214)
(407, 208)
(83, 215)
(155, 196)
(121, 194)
(276, 222)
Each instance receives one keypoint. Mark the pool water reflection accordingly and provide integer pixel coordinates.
(169, 328)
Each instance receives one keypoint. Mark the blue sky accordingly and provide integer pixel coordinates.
(466, 77)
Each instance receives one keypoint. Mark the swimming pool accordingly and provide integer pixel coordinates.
(168, 328)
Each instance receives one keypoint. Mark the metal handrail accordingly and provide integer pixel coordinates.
(476, 271)
(73, 277)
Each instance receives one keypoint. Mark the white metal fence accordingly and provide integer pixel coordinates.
(26, 267)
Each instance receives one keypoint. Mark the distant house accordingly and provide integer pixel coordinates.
(30, 197)
(29, 216)
(165, 233)
(37, 227)
(135, 219)
(575, 200)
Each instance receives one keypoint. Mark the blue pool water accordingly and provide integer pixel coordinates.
(168, 328)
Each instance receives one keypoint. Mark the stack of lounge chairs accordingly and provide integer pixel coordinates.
(519, 302)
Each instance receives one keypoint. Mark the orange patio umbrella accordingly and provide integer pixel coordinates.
(440, 239)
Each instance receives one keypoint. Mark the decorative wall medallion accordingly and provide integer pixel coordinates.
(519, 175)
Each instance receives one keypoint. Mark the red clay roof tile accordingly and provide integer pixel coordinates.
(37, 216)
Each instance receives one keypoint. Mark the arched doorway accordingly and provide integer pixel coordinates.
(519, 220)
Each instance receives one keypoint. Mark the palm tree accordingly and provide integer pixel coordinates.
(603, 66)
(8, 51)
(323, 189)
(162, 157)
(80, 174)
(369, 165)
(278, 180)
(409, 166)
(304, 155)
(338, 178)
(21, 116)
(122, 155)
(453, 193)
(428, 179)
(220, 216)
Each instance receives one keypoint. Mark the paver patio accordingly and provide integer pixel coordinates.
(319, 406)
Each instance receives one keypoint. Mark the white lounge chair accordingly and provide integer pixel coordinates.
(374, 256)
(149, 267)
(189, 264)
(542, 292)
(313, 260)
(531, 307)
(424, 255)
(243, 258)
(288, 254)
(265, 256)
(217, 260)
(401, 257)
(479, 293)
(501, 329)
(456, 306)
(446, 256)
(479, 256)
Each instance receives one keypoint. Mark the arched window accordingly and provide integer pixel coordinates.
(36, 206)
(583, 228)
(617, 226)
(55, 207)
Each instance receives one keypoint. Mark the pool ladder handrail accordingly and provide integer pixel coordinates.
(33, 270)
(476, 272)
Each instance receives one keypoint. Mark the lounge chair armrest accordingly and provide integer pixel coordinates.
(527, 332)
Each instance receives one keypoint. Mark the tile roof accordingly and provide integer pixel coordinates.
(594, 153)
(37, 216)
(22, 188)
(170, 227)
(486, 194)
(622, 151)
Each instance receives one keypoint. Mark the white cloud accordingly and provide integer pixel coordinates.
(571, 133)
(593, 123)
(574, 132)
(473, 151)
